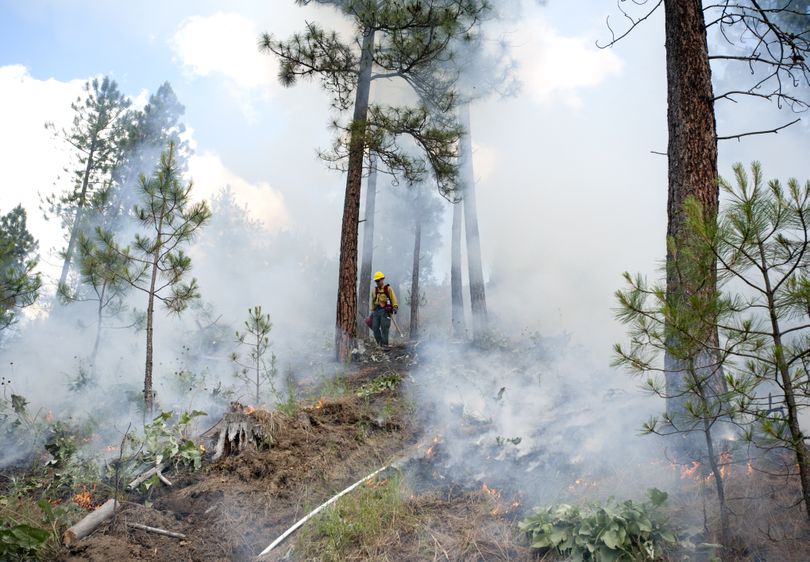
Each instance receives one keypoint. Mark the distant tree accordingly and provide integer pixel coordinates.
(479, 71)
(457, 322)
(777, 61)
(257, 370)
(478, 297)
(149, 132)
(364, 285)
(103, 274)
(396, 38)
(97, 138)
(417, 267)
(19, 282)
(157, 263)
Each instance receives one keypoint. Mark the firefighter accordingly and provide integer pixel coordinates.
(383, 305)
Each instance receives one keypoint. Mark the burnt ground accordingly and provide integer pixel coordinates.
(233, 508)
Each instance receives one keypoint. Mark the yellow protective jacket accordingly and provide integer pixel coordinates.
(383, 296)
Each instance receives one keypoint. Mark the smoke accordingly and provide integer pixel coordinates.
(536, 415)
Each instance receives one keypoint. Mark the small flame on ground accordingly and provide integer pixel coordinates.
(84, 499)
(690, 470)
(320, 404)
(492, 492)
(248, 410)
(202, 447)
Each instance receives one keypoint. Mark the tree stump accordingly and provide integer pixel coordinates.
(236, 431)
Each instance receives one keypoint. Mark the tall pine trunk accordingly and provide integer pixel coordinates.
(364, 291)
(692, 154)
(478, 298)
(346, 322)
(74, 232)
(417, 249)
(459, 328)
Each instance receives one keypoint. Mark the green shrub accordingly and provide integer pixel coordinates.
(627, 531)
(21, 542)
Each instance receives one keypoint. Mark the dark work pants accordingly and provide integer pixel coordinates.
(380, 325)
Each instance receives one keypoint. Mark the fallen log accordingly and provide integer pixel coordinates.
(90, 522)
(317, 510)
(164, 479)
(147, 475)
(156, 530)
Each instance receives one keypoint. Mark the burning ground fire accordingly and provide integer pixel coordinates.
(495, 496)
(695, 469)
(84, 499)
(432, 447)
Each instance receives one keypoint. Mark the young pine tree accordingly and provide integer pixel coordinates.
(257, 371)
(157, 263)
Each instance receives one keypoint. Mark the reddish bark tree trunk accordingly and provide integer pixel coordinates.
(692, 154)
(346, 322)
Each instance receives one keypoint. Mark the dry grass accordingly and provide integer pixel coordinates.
(382, 521)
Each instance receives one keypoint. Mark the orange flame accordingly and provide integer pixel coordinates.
(492, 492)
(320, 404)
(248, 410)
(690, 471)
(84, 499)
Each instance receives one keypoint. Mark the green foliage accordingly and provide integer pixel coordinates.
(165, 440)
(383, 383)
(19, 283)
(21, 542)
(412, 40)
(626, 531)
(169, 220)
(100, 123)
(258, 372)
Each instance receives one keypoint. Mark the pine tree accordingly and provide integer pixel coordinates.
(397, 38)
(103, 273)
(157, 263)
(97, 138)
(19, 282)
(258, 371)
(776, 59)
(149, 132)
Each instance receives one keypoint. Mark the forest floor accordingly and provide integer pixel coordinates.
(422, 507)
(232, 508)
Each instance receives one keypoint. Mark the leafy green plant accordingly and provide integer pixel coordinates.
(21, 542)
(166, 441)
(386, 381)
(627, 531)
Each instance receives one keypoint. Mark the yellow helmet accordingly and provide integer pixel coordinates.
(379, 275)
